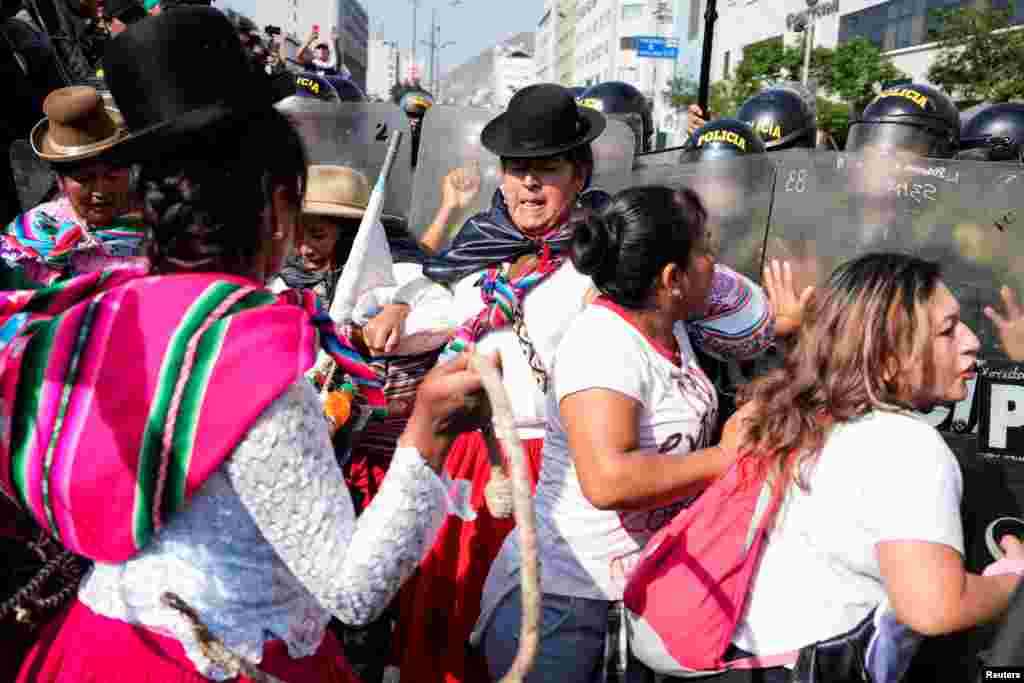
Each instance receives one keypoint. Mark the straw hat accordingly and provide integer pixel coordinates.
(336, 191)
(79, 125)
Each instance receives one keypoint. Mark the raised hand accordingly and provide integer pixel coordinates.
(461, 186)
(694, 118)
(788, 305)
(1011, 326)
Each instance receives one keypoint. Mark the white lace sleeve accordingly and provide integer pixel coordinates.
(286, 475)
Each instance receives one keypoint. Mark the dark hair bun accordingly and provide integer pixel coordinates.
(595, 248)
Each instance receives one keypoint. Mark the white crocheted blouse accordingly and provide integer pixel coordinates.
(270, 547)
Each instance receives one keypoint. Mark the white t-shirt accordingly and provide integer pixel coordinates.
(887, 476)
(548, 310)
(586, 552)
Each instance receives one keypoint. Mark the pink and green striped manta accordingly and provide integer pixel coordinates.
(120, 393)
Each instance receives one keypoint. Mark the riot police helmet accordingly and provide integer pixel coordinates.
(996, 133)
(915, 118)
(618, 100)
(722, 139)
(311, 86)
(782, 117)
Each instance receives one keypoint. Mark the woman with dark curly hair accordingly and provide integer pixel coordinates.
(160, 423)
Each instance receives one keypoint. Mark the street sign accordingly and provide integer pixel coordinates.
(657, 47)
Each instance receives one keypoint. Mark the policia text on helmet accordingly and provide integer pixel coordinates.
(913, 119)
(722, 139)
(782, 118)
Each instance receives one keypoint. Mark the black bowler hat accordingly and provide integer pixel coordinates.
(177, 74)
(541, 121)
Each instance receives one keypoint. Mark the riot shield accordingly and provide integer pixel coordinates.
(832, 207)
(32, 177)
(355, 134)
(737, 194)
(450, 140)
(965, 215)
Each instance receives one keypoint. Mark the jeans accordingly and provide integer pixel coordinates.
(572, 641)
(572, 633)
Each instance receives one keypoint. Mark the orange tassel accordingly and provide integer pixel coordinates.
(338, 408)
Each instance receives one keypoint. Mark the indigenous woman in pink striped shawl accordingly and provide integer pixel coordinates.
(88, 226)
(160, 422)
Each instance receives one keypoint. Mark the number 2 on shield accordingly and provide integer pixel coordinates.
(382, 132)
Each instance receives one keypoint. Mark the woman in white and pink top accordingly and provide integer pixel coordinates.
(630, 421)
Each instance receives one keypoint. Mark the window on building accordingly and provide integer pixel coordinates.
(630, 12)
(725, 65)
(869, 23)
(935, 9)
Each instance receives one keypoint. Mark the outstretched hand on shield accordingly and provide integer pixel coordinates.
(1011, 326)
(788, 305)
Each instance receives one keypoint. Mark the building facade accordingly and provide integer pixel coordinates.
(514, 69)
(491, 78)
(383, 67)
(566, 45)
(545, 55)
(899, 27)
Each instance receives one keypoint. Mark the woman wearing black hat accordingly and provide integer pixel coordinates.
(192, 456)
(514, 293)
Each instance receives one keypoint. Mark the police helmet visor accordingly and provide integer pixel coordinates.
(990, 148)
(883, 138)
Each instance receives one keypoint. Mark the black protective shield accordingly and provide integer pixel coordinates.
(738, 196)
(355, 134)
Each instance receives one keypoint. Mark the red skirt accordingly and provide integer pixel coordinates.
(441, 602)
(80, 646)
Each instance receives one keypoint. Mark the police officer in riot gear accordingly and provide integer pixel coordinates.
(996, 133)
(916, 119)
(782, 118)
(722, 139)
(618, 100)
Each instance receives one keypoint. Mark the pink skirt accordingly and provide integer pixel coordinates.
(80, 646)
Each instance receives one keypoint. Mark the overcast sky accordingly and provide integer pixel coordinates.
(474, 25)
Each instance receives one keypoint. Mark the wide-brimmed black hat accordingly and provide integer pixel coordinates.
(541, 121)
(178, 73)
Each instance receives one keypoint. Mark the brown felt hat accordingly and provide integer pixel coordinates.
(336, 191)
(79, 125)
